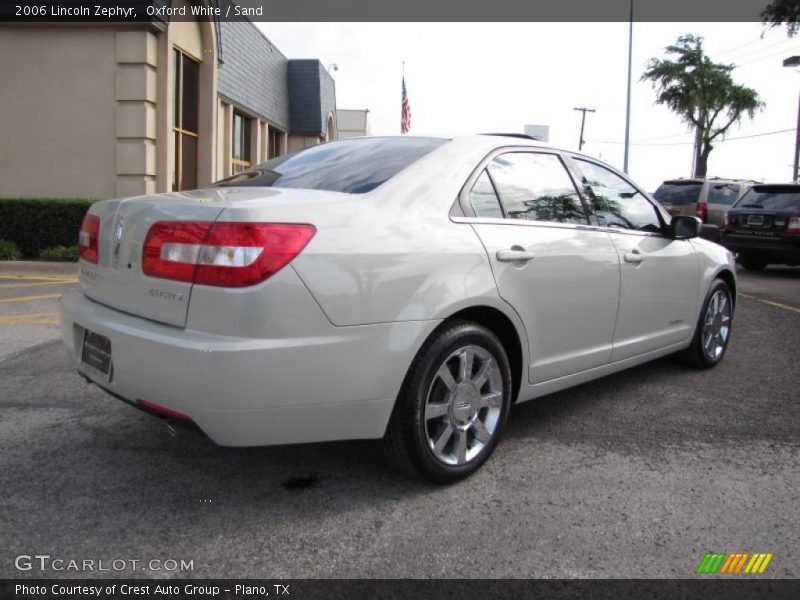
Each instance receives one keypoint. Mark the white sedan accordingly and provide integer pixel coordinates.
(404, 288)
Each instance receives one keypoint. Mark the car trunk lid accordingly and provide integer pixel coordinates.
(117, 279)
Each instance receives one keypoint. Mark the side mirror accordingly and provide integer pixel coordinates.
(684, 228)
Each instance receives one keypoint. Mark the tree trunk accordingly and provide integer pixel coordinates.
(701, 167)
(698, 146)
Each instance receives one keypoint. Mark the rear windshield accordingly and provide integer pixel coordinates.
(352, 166)
(772, 197)
(683, 192)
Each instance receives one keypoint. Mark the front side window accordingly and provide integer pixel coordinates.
(483, 198)
(615, 201)
(536, 187)
(241, 142)
(723, 193)
(184, 120)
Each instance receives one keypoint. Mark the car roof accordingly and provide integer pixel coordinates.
(684, 180)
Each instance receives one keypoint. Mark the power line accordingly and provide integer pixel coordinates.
(751, 51)
(779, 52)
(729, 139)
(758, 39)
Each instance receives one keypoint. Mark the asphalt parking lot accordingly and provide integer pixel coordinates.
(635, 475)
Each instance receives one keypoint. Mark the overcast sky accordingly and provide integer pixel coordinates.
(479, 77)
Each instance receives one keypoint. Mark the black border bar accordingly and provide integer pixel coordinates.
(160, 11)
(703, 587)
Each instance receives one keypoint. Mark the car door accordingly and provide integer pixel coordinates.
(560, 274)
(659, 276)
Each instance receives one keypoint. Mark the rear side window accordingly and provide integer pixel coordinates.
(723, 193)
(483, 198)
(351, 166)
(772, 197)
(684, 192)
(536, 187)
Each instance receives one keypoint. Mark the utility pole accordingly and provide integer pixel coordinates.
(581, 141)
(794, 61)
(628, 103)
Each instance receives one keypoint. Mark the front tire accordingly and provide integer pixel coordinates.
(453, 405)
(713, 330)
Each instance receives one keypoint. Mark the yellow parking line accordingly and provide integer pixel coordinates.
(30, 322)
(783, 306)
(40, 277)
(39, 315)
(771, 303)
(30, 298)
(5, 286)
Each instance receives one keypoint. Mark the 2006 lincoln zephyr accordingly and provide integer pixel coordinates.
(402, 288)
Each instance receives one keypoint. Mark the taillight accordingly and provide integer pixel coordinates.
(221, 254)
(794, 225)
(730, 220)
(702, 211)
(88, 238)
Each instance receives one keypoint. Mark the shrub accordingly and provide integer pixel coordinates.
(34, 224)
(60, 254)
(9, 251)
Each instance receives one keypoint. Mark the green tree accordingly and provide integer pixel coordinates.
(702, 93)
(782, 12)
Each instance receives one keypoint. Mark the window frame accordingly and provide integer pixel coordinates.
(176, 126)
(462, 210)
(246, 138)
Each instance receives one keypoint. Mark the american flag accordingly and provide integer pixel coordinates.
(405, 112)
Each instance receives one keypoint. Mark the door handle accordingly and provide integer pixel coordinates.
(515, 255)
(634, 257)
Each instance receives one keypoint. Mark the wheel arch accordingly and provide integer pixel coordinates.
(506, 331)
(730, 279)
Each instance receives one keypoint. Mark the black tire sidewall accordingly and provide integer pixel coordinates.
(698, 338)
(431, 359)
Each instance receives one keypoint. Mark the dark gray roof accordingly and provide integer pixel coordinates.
(312, 93)
(253, 72)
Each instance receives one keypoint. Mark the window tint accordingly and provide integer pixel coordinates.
(673, 192)
(772, 197)
(723, 193)
(616, 202)
(536, 187)
(483, 198)
(351, 166)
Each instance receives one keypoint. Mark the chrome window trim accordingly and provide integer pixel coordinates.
(552, 224)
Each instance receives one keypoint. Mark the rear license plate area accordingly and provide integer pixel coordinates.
(755, 220)
(96, 354)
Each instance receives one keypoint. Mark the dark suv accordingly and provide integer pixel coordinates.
(763, 227)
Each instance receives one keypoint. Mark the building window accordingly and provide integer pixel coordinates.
(184, 120)
(276, 139)
(241, 142)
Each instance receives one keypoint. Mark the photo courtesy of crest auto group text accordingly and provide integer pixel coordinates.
(409, 300)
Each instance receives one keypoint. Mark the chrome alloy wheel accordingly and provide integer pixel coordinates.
(716, 325)
(463, 405)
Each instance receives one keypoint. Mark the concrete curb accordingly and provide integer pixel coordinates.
(28, 267)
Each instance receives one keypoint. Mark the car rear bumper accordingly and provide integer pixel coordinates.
(777, 250)
(340, 383)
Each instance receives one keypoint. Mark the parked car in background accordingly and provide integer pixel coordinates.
(763, 227)
(707, 199)
(404, 288)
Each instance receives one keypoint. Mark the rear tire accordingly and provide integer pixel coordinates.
(453, 405)
(753, 262)
(713, 331)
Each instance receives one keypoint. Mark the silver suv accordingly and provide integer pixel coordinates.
(708, 199)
